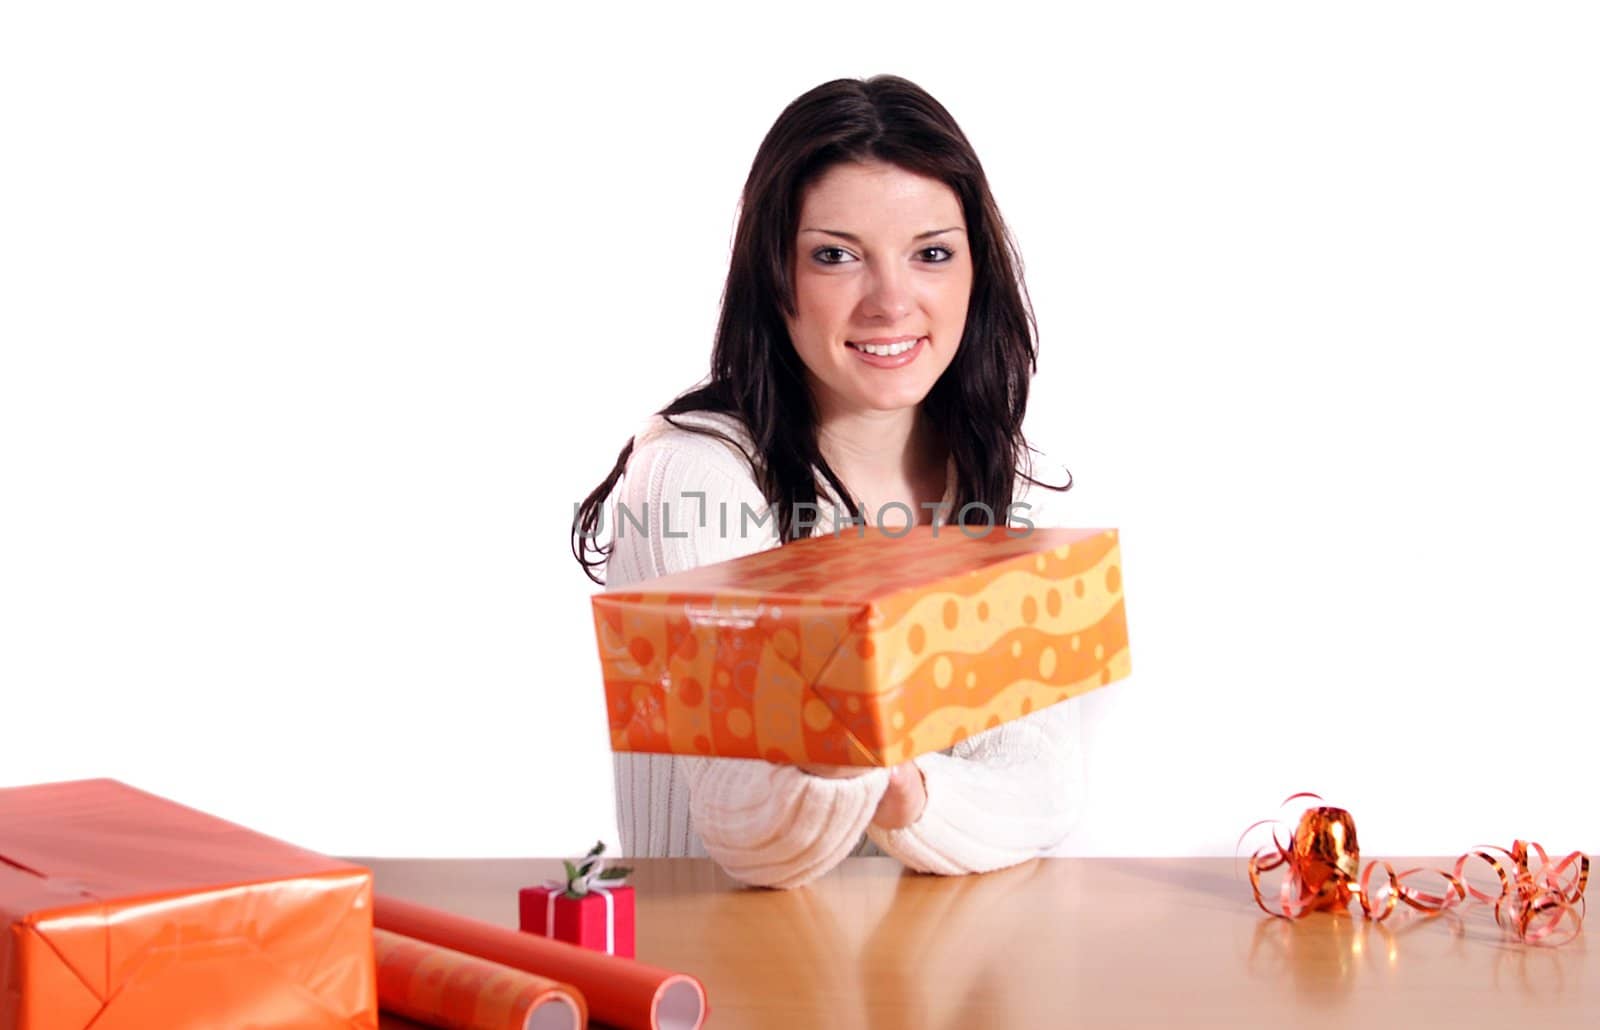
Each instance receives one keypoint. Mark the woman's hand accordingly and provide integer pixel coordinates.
(902, 803)
(905, 799)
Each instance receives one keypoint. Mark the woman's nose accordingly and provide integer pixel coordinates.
(888, 295)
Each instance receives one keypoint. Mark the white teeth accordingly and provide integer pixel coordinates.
(886, 350)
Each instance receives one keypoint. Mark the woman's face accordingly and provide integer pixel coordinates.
(881, 259)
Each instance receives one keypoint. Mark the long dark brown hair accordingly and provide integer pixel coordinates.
(977, 404)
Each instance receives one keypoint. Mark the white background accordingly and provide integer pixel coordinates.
(317, 318)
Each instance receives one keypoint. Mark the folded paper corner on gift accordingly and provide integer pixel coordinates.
(863, 615)
(66, 956)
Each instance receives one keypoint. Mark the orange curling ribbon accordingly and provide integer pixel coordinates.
(1534, 904)
(1322, 871)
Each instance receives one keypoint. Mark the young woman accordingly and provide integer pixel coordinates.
(872, 359)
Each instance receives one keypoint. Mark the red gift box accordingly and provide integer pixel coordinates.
(582, 921)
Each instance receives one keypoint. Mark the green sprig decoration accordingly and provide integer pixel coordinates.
(591, 869)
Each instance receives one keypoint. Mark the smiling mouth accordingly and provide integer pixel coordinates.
(886, 350)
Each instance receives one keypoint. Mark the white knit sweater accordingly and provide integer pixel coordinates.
(995, 799)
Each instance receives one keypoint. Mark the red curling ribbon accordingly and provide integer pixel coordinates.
(1321, 866)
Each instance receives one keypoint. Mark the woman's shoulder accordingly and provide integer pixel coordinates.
(699, 459)
(688, 497)
(714, 439)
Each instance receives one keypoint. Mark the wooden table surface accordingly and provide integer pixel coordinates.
(1053, 942)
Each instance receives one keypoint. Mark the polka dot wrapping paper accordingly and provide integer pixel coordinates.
(869, 647)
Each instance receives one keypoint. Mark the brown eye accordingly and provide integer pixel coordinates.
(818, 255)
(946, 251)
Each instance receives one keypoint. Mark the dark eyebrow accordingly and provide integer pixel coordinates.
(857, 240)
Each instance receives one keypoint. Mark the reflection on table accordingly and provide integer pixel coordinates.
(1090, 942)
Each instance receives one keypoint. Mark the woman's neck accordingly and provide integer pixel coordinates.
(869, 449)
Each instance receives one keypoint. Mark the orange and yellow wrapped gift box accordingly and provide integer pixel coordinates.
(865, 648)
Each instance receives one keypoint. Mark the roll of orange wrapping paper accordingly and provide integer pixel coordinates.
(457, 991)
(619, 991)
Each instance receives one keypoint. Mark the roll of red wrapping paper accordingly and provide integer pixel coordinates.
(456, 991)
(619, 991)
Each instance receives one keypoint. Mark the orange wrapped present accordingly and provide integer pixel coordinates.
(865, 648)
(121, 910)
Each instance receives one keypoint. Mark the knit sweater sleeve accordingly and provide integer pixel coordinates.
(1001, 797)
(765, 824)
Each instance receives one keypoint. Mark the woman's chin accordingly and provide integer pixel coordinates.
(853, 394)
(890, 400)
